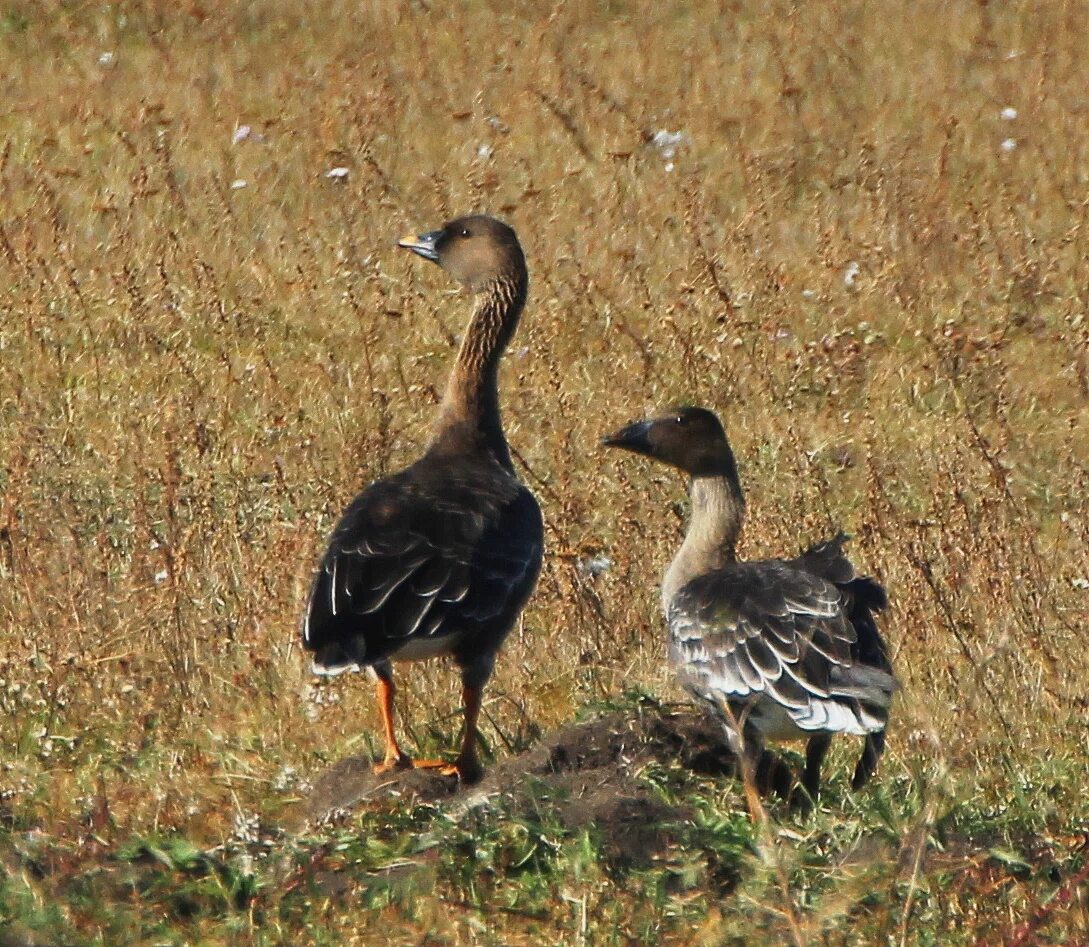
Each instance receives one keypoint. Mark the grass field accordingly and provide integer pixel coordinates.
(867, 250)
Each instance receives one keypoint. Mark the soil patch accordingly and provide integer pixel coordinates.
(586, 773)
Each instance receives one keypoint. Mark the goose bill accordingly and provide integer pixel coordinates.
(633, 438)
(424, 245)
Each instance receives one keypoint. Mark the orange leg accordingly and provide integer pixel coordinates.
(396, 758)
(467, 766)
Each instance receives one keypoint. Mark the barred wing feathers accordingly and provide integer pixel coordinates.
(863, 597)
(767, 634)
(427, 554)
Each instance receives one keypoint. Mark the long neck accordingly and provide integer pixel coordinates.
(718, 510)
(469, 414)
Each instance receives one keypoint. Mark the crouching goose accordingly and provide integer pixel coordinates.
(440, 558)
(777, 649)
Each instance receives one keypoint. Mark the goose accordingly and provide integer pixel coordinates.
(780, 649)
(440, 558)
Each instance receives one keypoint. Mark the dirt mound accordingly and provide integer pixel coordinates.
(585, 772)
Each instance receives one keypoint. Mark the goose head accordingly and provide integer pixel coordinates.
(689, 438)
(477, 251)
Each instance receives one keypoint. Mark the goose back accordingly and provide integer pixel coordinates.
(436, 558)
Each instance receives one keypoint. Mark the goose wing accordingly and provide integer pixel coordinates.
(863, 597)
(768, 631)
(417, 557)
(827, 560)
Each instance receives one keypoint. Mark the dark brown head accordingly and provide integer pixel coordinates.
(691, 439)
(477, 251)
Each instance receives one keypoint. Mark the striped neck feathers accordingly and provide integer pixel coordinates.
(469, 415)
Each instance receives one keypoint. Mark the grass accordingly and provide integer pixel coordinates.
(196, 375)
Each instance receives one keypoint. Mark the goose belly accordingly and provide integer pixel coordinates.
(773, 721)
(424, 648)
(776, 722)
(770, 718)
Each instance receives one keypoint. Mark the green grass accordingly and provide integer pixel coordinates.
(504, 871)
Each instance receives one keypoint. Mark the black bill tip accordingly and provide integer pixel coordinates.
(632, 437)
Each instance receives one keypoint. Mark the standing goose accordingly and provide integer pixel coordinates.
(440, 558)
(777, 649)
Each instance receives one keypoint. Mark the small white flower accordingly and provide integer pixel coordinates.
(850, 275)
(161, 576)
(595, 565)
(1008, 145)
(667, 143)
(321, 696)
(337, 174)
(107, 59)
(246, 829)
(484, 151)
(1080, 583)
(1008, 114)
(238, 184)
(808, 294)
(284, 779)
(240, 134)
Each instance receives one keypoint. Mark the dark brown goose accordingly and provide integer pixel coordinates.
(778, 649)
(440, 558)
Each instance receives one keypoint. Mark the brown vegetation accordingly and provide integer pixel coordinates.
(208, 343)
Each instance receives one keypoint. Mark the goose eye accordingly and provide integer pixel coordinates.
(464, 232)
(679, 419)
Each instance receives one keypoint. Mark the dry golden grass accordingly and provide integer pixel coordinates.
(195, 375)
